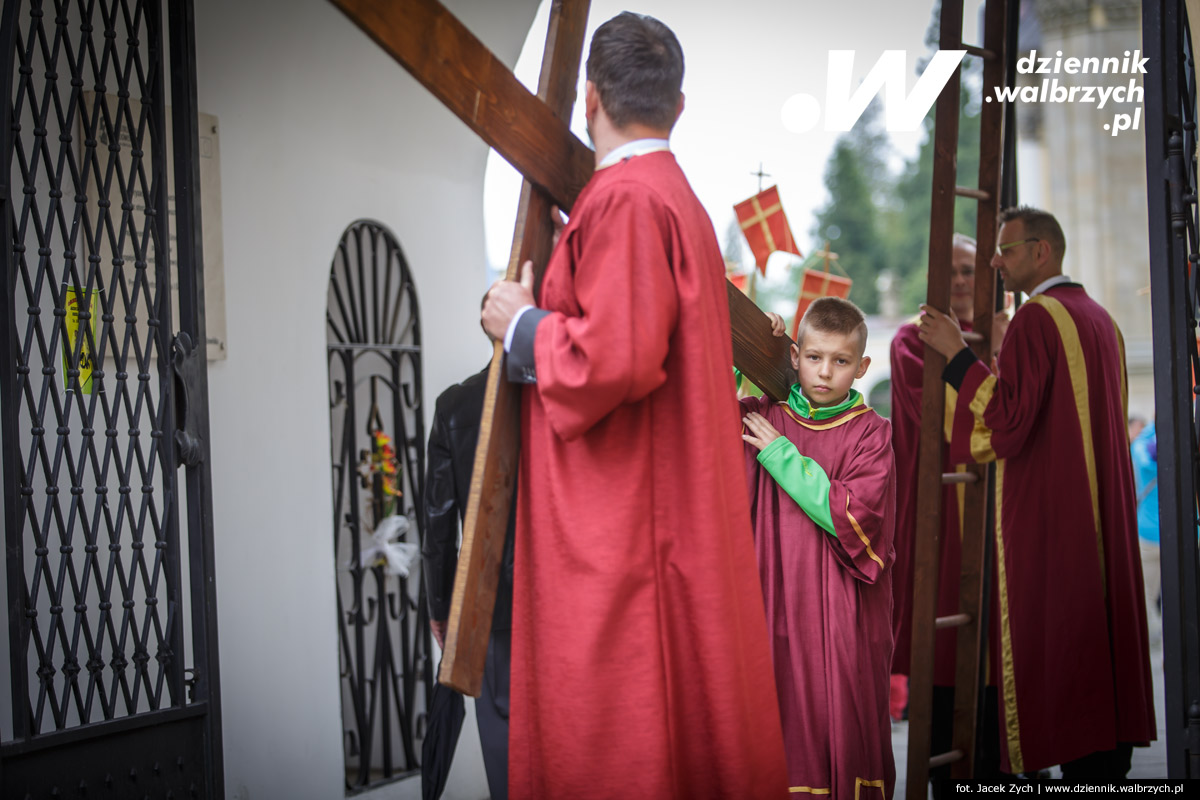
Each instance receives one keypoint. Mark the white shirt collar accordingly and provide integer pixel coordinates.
(1048, 283)
(637, 147)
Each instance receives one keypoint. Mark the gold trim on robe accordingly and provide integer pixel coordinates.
(948, 411)
(1008, 686)
(862, 536)
(824, 426)
(861, 782)
(1073, 351)
(981, 435)
(960, 489)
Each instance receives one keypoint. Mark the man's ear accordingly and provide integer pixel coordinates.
(862, 366)
(679, 110)
(591, 99)
(1044, 255)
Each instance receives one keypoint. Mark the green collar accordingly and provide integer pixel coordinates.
(799, 403)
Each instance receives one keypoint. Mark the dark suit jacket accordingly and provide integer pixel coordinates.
(447, 484)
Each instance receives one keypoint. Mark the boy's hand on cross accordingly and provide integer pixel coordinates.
(760, 433)
(777, 325)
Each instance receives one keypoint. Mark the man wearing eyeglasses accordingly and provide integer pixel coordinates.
(1070, 640)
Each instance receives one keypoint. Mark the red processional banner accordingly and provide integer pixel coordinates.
(814, 284)
(765, 226)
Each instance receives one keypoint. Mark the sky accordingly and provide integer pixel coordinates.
(743, 61)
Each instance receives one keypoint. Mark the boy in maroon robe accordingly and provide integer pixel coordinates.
(823, 498)
(1071, 638)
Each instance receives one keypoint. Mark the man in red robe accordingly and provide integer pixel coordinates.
(1071, 640)
(823, 497)
(640, 659)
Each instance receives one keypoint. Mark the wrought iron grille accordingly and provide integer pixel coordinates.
(110, 606)
(374, 350)
(1174, 219)
(99, 627)
(1185, 223)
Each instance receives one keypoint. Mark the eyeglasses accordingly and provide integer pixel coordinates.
(1000, 248)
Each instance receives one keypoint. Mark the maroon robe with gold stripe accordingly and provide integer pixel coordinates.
(1072, 642)
(908, 374)
(829, 601)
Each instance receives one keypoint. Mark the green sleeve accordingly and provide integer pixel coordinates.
(801, 477)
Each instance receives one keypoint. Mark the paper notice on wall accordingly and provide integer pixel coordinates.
(117, 197)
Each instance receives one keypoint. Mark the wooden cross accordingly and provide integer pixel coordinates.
(532, 134)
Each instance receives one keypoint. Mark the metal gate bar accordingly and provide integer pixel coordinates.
(1170, 86)
(102, 402)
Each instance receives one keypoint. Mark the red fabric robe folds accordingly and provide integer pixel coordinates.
(829, 601)
(640, 662)
(908, 374)
(1071, 635)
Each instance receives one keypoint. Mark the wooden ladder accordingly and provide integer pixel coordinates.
(997, 140)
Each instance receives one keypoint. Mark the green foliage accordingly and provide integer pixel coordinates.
(858, 183)
(909, 217)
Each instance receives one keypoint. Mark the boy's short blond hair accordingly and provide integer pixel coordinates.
(834, 315)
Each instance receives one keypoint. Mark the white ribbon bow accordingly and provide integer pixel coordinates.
(397, 557)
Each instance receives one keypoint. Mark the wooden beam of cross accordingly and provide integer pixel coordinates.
(532, 134)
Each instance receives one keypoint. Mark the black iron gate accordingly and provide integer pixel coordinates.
(1170, 85)
(111, 644)
(378, 439)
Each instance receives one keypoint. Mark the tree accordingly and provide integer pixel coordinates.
(878, 221)
(908, 218)
(858, 183)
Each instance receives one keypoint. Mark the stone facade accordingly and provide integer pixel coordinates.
(1092, 180)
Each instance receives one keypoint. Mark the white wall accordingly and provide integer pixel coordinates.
(318, 128)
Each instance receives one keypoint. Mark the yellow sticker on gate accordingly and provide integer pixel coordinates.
(71, 298)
